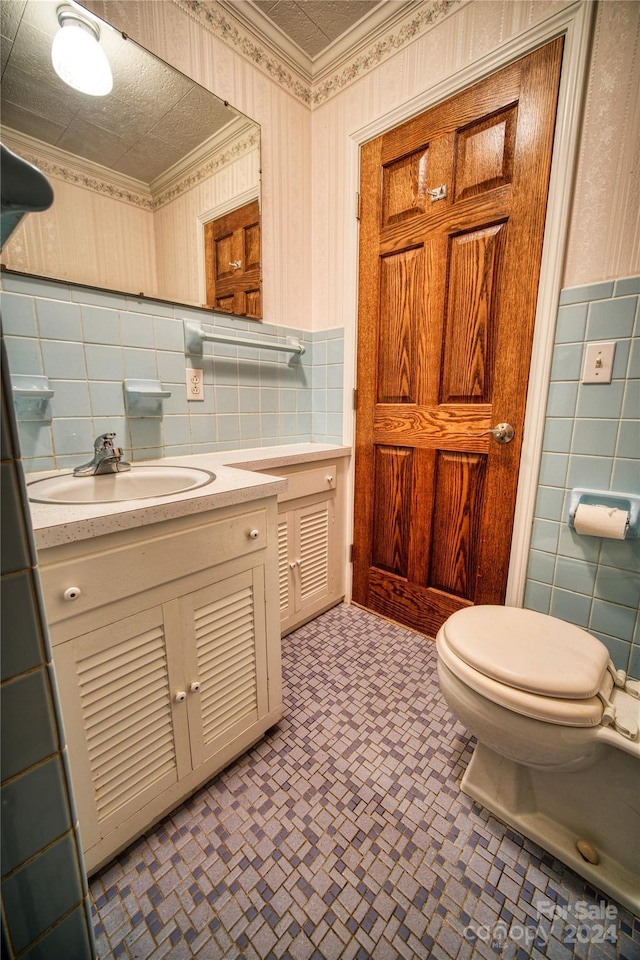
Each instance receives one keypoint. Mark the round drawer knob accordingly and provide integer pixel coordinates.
(329, 479)
(195, 686)
(72, 593)
(254, 534)
(180, 696)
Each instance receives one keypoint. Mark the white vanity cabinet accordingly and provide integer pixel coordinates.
(166, 646)
(311, 538)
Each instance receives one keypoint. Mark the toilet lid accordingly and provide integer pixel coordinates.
(528, 651)
(558, 710)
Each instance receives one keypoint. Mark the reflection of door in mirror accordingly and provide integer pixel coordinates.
(232, 261)
(134, 173)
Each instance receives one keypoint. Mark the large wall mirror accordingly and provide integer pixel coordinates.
(139, 175)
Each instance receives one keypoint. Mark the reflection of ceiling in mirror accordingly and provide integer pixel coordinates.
(154, 117)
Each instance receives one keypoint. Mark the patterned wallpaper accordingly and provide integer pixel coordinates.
(308, 193)
(181, 39)
(142, 243)
(604, 239)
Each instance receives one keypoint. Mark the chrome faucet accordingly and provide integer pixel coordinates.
(106, 458)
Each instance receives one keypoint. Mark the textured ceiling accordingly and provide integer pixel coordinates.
(316, 36)
(151, 120)
(155, 116)
(314, 24)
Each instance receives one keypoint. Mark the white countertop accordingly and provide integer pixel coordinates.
(236, 482)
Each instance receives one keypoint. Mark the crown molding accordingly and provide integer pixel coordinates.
(227, 27)
(233, 141)
(312, 69)
(368, 30)
(373, 39)
(278, 43)
(372, 51)
(237, 139)
(73, 169)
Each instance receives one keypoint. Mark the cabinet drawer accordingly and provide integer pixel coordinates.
(104, 578)
(303, 484)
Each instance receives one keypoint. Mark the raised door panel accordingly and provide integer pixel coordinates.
(474, 269)
(404, 187)
(459, 501)
(253, 303)
(401, 323)
(392, 486)
(484, 154)
(224, 635)
(251, 245)
(116, 688)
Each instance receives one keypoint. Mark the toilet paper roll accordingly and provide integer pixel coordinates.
(597, 520)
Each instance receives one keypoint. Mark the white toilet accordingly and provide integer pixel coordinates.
(558, 753)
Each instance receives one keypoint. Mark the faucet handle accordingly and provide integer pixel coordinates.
(104, 441)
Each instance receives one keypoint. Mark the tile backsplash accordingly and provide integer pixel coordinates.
(87, 342)
(591, 440)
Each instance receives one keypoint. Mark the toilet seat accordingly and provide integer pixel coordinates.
(528, 650)
(528, 662)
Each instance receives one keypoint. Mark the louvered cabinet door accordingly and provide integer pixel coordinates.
(225, 650)
(123, 729)
(285, 566)
(306, 560)
(314, 568)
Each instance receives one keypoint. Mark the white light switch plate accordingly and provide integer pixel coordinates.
(195, 385)
(598, 362)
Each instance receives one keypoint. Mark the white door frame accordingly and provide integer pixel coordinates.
(575, 23)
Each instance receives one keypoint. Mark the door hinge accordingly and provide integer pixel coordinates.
(350, 553)
(358, 205)
(355, 398)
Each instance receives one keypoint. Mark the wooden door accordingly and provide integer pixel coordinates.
(447, 300)
(232, 261)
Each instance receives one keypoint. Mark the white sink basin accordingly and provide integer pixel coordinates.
(139, 483)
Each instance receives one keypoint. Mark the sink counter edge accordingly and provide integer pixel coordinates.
(237, 481)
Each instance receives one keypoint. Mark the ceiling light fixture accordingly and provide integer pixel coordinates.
(77, 56)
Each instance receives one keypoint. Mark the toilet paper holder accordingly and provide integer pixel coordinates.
(608, 498)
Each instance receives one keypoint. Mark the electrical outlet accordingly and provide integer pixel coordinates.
(195, 386)
(598, 362)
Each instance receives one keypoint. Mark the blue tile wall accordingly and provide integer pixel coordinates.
(45, 904)
(591, 439)
(88, 341)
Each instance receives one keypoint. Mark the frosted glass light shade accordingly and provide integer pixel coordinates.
(79, 60)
